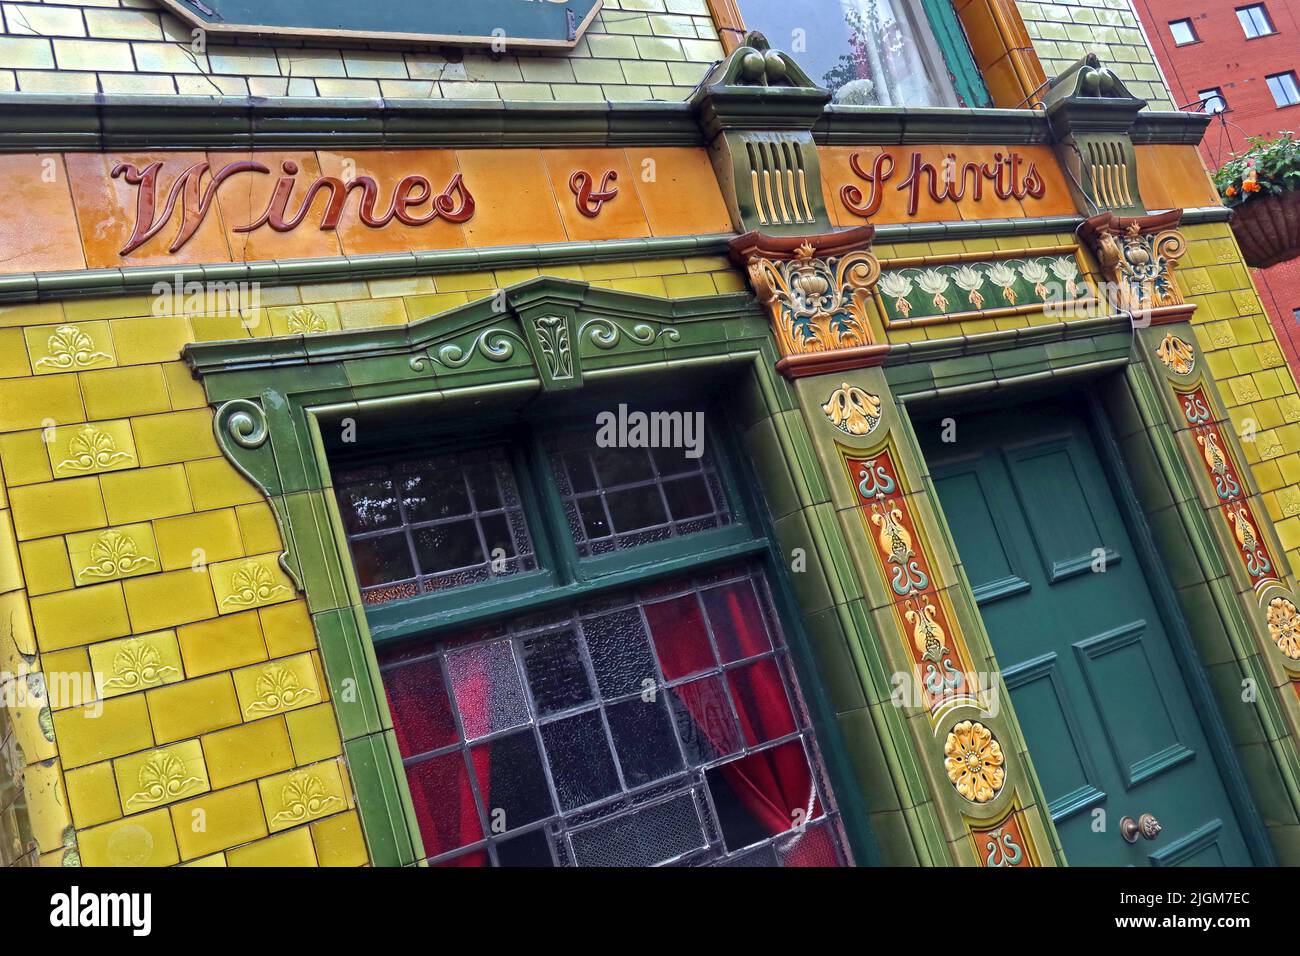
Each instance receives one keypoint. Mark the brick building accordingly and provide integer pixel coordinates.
(1242, 60)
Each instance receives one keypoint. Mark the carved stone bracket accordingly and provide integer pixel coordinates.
(1138, 256)
(815, 289)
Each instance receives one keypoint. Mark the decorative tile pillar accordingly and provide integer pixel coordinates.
(919, 617)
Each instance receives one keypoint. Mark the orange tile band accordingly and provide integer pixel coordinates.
(938, 183)
(113, 210)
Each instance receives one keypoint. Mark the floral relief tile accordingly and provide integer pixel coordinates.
(303, 795)
(70, 348)
(250, 582)
(91, 449)
(113, 553)
(158, 777)
(136, 663)
(278, 686)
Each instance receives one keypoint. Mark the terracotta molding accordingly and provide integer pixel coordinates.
(1138, 256)
(1170, 314)
(815, 288)
(837, 360)
(729, 23)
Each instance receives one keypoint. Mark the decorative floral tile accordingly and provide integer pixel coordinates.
(113, 553)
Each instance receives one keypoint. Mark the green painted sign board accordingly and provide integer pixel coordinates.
(520, 23)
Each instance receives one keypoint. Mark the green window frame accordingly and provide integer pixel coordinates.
(276, 398)
(562, 574)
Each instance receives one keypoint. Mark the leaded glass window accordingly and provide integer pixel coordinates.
(661, 725)
(617, 498)
(433, 522)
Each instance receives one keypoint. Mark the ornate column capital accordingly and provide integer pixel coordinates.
(1138, 255)
(815, 290)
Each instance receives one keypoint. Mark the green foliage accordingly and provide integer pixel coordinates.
(1268, 167)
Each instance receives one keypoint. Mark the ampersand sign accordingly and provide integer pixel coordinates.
(590, 201)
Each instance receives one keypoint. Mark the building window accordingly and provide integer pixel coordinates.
(1295, 314)
(1284, 89)
(621, 497)
(652, 720)
(429, 523)
(1183, 32)
(1254, 20)
(866, 52)
(1213, 100)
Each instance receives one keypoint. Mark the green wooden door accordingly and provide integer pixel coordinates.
(1104, 707)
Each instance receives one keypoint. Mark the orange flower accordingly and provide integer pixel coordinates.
(1230, 191)
(1250, 186)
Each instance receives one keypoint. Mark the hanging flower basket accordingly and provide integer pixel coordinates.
(1262, 187)
(1268, 229)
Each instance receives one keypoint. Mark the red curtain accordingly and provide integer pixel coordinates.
(774, 785)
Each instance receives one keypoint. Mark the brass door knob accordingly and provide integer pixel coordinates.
(1145, 826)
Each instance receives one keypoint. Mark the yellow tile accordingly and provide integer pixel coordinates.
(91, 449)
(113, 553)
(681, 287)
(216, 859)
(81, 310)
(314, 733)
(258, 527)
(465, 282)
(144, 840)
(92, 792)
(214, 483)
(121, 726)
(218, 821)
(193, 707)
(369, 313)
(56, 507)
(13, 354)
(17, 638)
(38, 313)
(176, 436)
(11, 572)
(198, 539)
(302, 795)
(304, 319)
(250, 582)
(234, 640)
(25, 459)
(422, 306)
(287, 849)
(47, 804)
(281, 685)
(45, 566)
(145, 493)
(82, 616)
(184, 390)
(287, 629)
(123, 392)
(158, 777)
(339, 841)
(70, 347)
(136, 663)
(142, 341)
(69, 681)
(39, 402)
(160, 601)
(248, 751)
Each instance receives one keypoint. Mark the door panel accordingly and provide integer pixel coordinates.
(1110, 724)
